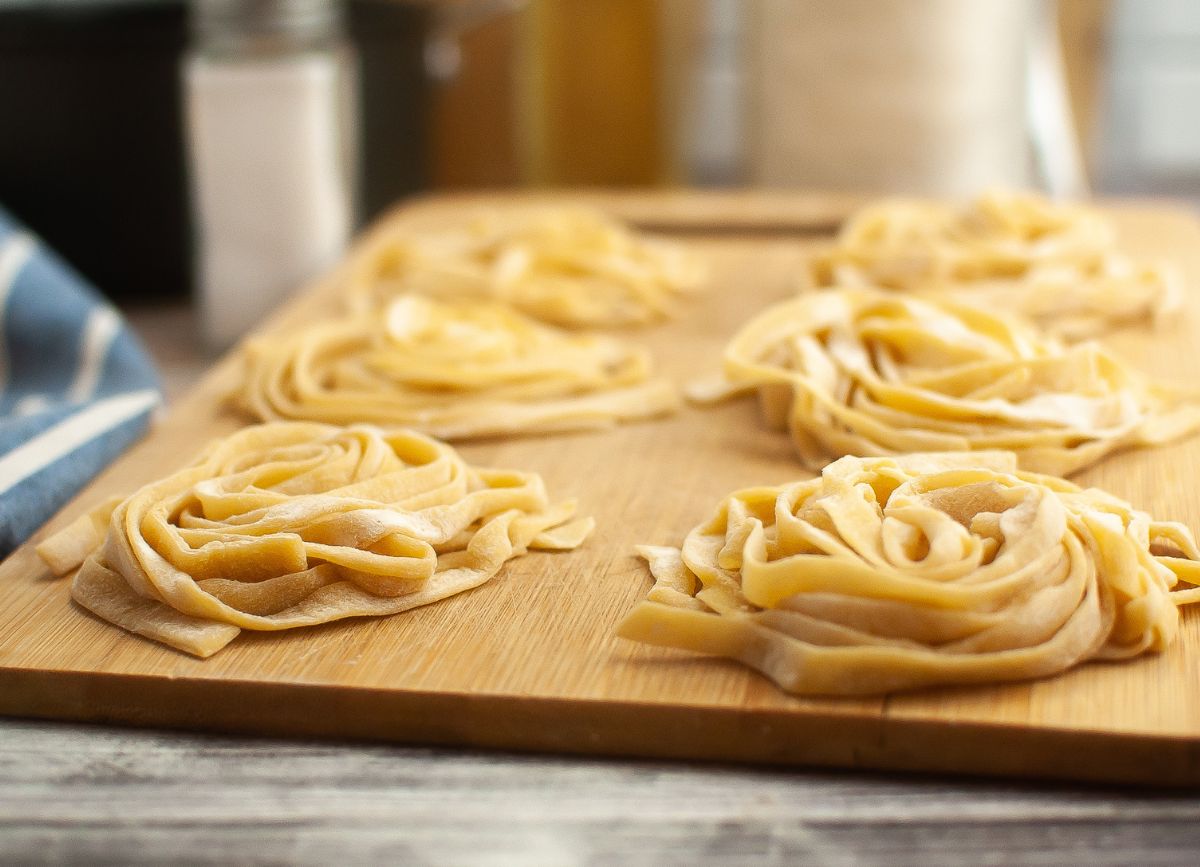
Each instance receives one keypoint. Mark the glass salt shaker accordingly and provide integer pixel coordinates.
(271, 117)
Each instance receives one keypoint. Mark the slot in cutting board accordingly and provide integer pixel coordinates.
(529, 661)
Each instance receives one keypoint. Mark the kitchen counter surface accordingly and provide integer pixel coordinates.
(92, 794)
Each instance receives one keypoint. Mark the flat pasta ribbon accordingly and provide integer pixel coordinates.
(570, 266)
(1053, 262)
(888, 574)
(452, 369)
(293, 524)
(865, 372)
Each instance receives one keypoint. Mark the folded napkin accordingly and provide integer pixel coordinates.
(76, 386)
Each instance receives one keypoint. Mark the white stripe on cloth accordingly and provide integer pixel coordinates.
(98, 334)
(69, 434)
(15, 251)
(30, 404)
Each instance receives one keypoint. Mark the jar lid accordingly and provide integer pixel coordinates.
(265, 20)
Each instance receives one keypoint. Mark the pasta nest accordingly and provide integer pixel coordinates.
(292, 524)
(1055, 263)
(865, 372)
(888, 574)
(573, 267)
(452, 369)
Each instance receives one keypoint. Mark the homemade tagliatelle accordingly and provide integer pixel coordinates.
(865, 372)
(570, 266)
(292, 524)
(452, 369)
(1056, 263)
(888, 574)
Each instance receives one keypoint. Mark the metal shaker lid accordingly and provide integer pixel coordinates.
(265, 22)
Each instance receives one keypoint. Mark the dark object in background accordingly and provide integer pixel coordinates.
(92, 148)
(394, 111)
(91, 155)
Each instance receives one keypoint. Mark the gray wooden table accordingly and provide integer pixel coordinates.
(91, 794)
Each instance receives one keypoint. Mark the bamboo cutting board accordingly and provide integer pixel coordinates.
(529, 661)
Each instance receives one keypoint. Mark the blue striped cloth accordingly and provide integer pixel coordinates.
(76, 386)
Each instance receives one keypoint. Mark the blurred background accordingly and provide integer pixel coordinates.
(227, 148)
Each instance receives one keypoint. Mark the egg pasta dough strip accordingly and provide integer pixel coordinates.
(866, 372)
(570, 266)
(1055, 263)
(294, 524)
(888, 574)
(455, 370)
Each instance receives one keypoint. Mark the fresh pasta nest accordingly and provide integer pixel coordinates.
(889, 574)
(1055, 263)
(570, 266)
(865, 372)
(291, 524)
(452, 369)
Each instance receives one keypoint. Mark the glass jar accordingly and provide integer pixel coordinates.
(271, 118)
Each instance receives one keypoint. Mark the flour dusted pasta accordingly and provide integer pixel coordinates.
(293, 524)
(570, 266)
(1056, 263)
(866, 372)
(452, 369)
(888, 574)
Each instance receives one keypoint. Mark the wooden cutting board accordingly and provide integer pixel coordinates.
(529, 661)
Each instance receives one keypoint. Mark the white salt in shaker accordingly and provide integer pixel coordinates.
(271, 111)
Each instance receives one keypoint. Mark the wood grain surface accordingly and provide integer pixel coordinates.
(674, 210)
(529, 661)
(77, 794)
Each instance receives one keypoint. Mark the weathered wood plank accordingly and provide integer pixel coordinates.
(72, 793)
